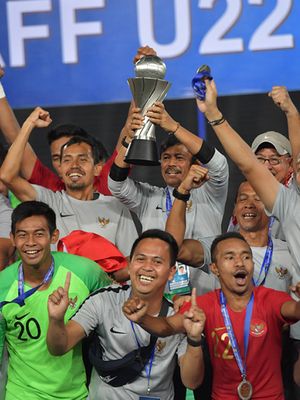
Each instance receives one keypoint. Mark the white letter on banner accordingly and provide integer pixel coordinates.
(71, 29)
(182, 28)
(17, 32)
(2, 63)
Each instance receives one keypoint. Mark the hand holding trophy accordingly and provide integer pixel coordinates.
(147, 87)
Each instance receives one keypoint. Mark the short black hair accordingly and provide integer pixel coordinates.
(79, 139)
(221, 238)
(67, 130)
(31, 208)
(170, 142)
(162, 235)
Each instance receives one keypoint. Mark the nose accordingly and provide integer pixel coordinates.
(238, 261)
(30, 240)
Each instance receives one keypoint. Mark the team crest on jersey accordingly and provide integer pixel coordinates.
(103, 222)
(72, 302)
(160, 345)
(258, 327)
(282, 273)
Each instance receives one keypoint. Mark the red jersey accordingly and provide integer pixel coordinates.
(43, 176)
(264, 346)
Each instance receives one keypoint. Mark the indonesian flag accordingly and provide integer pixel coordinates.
(94, 247)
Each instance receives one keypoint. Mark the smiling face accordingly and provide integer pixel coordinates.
(150, 268)
(282, 170)
(249, 210)
(233, 265)
(175, 164)
(32, 239)
(77, 167)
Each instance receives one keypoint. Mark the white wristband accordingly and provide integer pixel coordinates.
(2, 93)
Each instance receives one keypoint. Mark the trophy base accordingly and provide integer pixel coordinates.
(142, 152)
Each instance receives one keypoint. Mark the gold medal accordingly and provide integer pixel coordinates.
(244, 390)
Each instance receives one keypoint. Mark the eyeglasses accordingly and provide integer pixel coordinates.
(271, 161)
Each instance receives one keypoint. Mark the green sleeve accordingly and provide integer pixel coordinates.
(2, 335)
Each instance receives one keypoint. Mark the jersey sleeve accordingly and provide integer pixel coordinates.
(217, 186)
(89, 314)
(2, 336)
(43, 176)
(5, 217)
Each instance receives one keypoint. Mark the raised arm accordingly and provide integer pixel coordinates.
(263, 182)
(192, 362)
(282, 99)
(135, 309)
(190, 250)
(10, 128)
(62, 337)
(159, 116)
(10, 170)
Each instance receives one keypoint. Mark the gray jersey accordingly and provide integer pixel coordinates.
(102, 312)
(287, 210)
(204, 210)
(5, 216)
(105, 216)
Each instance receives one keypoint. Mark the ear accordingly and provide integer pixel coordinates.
(214, 269)
(55, 236)
(97, 169)
(12, 239)
(172, 272)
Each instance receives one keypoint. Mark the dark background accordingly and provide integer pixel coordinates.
(250, 115)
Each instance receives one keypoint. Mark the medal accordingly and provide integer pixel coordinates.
(244, 390)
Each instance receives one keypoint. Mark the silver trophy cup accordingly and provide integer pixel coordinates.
(148, 87)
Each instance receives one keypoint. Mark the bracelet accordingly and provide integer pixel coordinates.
(181, 196)
(195, 343)
(177, 127)
(217, 121)
(124, 143)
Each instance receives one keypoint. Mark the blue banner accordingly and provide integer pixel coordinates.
(64, 52)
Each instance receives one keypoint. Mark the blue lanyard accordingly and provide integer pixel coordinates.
(265, 266)
(148, 366)
(232, 338)
(22, 295)
(168, 201)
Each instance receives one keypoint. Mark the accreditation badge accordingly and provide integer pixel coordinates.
(181, 280)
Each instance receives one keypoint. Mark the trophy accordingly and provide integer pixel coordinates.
(148, 87)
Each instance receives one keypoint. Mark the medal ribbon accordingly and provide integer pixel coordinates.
(168, 201)
(24, 295)
(266, 262)
(232, 338)
(148, 366)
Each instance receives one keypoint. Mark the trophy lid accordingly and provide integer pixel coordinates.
(150, 67)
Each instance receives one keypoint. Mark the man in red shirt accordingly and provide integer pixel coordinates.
(243, 325)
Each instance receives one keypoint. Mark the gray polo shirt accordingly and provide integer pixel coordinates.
(105, 216)
(102, 312)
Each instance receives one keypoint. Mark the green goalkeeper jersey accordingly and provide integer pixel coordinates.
(33, 373)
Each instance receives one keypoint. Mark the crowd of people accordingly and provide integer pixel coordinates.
(116, 289)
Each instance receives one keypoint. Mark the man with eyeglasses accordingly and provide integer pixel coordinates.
(274, 150)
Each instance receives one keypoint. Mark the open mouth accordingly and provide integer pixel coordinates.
(31, 253)
(240, 277)
(146, 279)
(74, 176)
(172, 171)
(249, 215)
